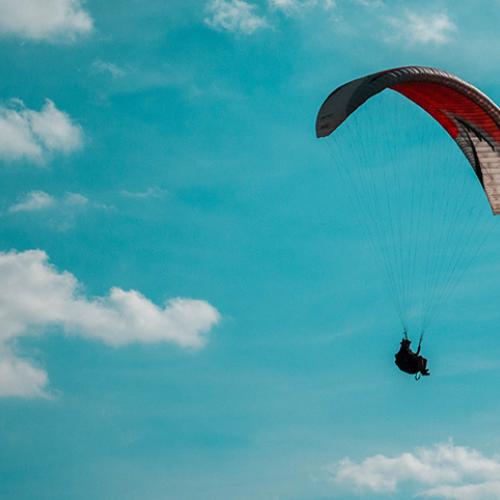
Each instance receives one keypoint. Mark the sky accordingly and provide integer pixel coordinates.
(190, 306)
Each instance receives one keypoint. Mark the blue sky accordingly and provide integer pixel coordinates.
(190, 307)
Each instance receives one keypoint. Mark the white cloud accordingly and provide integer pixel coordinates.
(49, 20)
(35, 135)
(36, 201)
(489, 490)
(20, 378)
(60, 212)
(40, 200)
(451, 472)
(75, 200)
(33, 201)
(426, 28)
(287, 6)
(296, 6)
(107, 67)
(34, 296)
(236, 16)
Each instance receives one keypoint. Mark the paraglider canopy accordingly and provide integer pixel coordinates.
(469, 117)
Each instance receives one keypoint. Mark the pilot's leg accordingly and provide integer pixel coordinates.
(423, 365)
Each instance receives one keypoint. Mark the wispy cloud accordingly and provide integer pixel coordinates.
(370, 3)
(107, 67)
(489, 490)
(443, 470)
(60, 213)
(291, 7)
(150, 192)
(35, 295)
(138, 77)
(35, 135)
(36, 201)
(236, 16)
(47, 20)
(421, 28)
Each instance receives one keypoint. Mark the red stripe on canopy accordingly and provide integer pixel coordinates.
(443, 103)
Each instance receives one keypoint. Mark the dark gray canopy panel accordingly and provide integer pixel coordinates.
(469, 116)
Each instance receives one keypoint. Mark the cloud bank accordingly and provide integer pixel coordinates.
(441, 471)
(36, 135)
(44, 20)
(34, 295)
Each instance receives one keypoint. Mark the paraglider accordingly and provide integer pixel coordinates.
(424, 223)
(409, 361)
